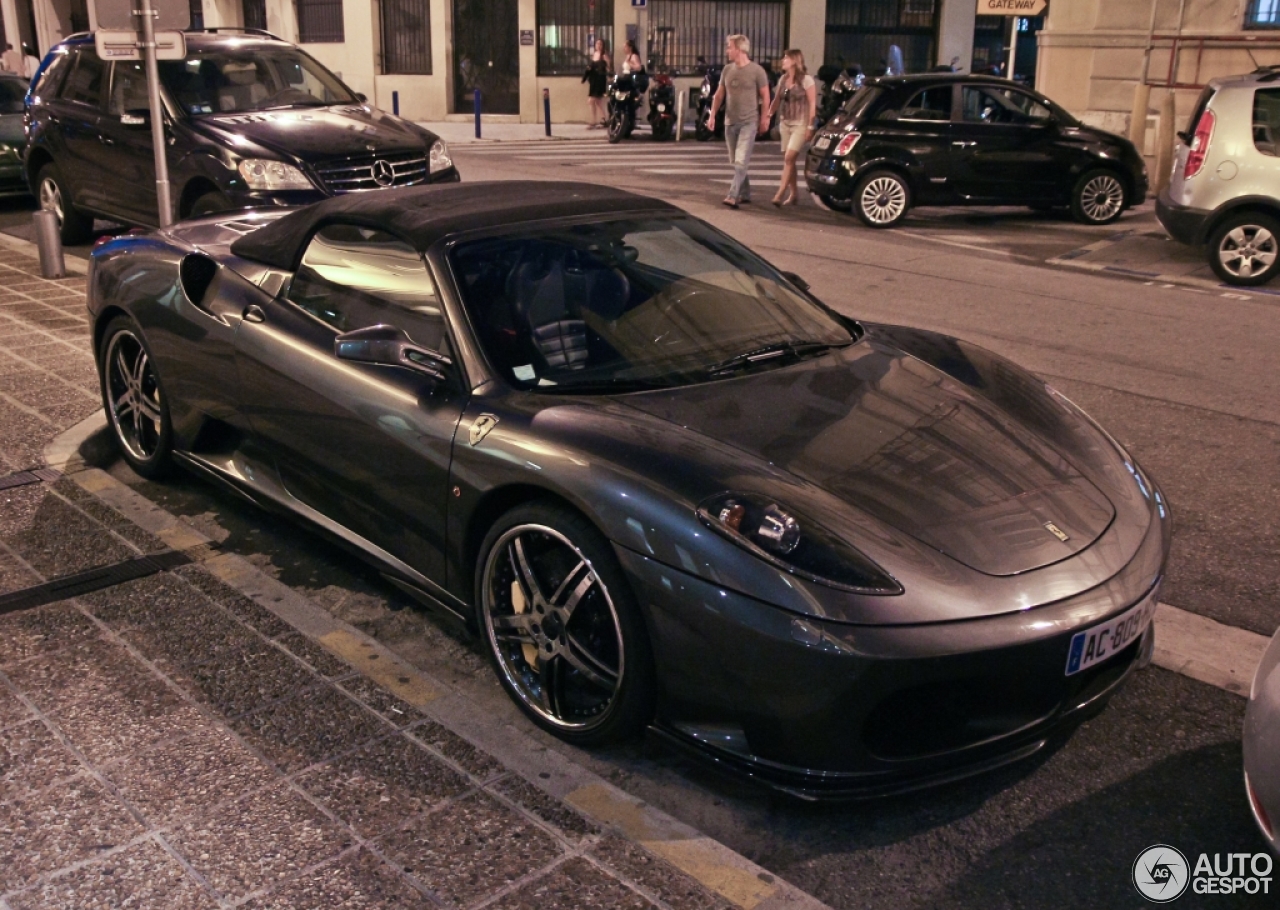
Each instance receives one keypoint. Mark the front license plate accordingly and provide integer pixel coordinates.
(1097, 644)
(823, 142)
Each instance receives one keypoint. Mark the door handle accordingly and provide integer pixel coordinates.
(106, 140)
(254, 313)
(962, 145)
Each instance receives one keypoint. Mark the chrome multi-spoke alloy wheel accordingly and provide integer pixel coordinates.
(553, 627)
(132, 395)
(883, 200)
(1099, 198)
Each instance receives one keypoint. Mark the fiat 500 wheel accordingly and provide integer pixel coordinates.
(562, 628)
(1099, 197)
(1245, 249)
(881, 199)
(134, 399)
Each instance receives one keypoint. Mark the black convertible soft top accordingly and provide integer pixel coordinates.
(423, 214)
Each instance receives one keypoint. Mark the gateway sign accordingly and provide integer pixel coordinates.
(1011, 7)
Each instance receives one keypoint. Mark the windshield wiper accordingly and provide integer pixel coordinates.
(770, 351)
(602, 387)
(293, 104)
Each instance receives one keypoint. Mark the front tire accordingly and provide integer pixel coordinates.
(1099, 197)
(663, 130)
(562, 627)
(617, 127)
(881, 199)
(1245, 249)
(75, 227)
(134, 399)
(211, 203)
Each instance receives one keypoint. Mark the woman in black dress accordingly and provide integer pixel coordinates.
(597, 79)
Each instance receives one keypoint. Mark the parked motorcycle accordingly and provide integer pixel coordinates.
(662, 108)
(839, 87)
(625, 94)
(710, 82)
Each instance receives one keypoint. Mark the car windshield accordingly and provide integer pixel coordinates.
(12, 91)
(633, 303)
(228, 80)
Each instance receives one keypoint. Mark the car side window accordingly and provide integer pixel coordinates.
(1001, 105)
(930, 104)
(1266, 121)
(353, 277)
(85, 83)
(128, 88)
(52, 76)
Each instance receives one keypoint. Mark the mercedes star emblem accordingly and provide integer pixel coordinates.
(383, 174)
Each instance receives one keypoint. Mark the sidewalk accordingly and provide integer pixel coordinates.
(456, 132)
(179, 730)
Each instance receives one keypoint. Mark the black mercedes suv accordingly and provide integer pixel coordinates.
(968, 140)
(250, 121)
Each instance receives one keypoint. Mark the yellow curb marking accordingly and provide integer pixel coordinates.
(360, 653)
(696, 857)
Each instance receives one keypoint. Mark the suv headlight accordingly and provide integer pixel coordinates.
(438, 158)
(775, 534)
(265, 174)
(6, 150)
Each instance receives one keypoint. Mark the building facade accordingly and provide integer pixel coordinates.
(1093, 54)
(431, 56)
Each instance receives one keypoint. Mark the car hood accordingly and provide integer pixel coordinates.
(316, 134)
(909, 445)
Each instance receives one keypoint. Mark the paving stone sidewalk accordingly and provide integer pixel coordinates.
(169, 743)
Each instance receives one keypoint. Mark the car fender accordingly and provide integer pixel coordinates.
(1268, 204)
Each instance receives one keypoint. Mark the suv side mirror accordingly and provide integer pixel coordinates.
(389, 346)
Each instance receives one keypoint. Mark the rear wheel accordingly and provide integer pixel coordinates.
(74, 226)
(1099, 197)
(562, 627)
(134, 399)
(882, 199)
(1245, 249)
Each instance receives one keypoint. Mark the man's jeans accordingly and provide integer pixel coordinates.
(741, 139)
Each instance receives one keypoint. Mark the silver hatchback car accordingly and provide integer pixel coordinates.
(1224, 192)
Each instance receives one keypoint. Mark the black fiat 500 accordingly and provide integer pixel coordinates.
(968, 140)
(251, 120)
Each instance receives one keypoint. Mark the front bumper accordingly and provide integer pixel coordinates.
(821, 709)
(1183, 223)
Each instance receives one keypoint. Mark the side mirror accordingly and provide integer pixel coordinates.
(796, 280)
(361, 97)
(389, 346)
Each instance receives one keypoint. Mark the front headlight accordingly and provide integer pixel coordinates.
(265, 174)
(706, 90)
(621, 96)
(6, 150)
(775, 534)
(439, 157)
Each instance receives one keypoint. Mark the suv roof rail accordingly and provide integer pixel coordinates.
(215, 29)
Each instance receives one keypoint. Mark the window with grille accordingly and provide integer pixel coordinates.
(255, 14)
(567, 33)
(406, 37)
(862, 31)
(320, 21)
(1262, 14)
(685, 34)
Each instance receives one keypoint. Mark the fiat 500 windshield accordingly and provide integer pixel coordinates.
(634, 303)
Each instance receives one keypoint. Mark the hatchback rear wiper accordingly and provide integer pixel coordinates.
(770, 351)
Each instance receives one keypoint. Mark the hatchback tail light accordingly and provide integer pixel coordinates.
(1199, 148)
(847, 143)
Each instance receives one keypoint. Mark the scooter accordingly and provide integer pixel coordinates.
(838, 90)
(662, 108)
(624, 101)
(710, 82)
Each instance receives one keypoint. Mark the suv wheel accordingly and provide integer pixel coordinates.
(74, 226)
(210, 203)
(1099, 197)
(1245, 249)
(881, 199)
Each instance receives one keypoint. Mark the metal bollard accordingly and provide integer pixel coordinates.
(476, 95)
(682, 101)
(395, 103)
(546, 109)
(49, 241)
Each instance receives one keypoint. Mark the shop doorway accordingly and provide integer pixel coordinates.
(486, 56)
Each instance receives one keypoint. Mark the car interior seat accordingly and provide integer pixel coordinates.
(241, 89)
(538, 290)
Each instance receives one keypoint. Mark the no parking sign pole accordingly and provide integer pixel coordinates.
(157, 119)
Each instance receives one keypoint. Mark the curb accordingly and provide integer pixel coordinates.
(713, 865)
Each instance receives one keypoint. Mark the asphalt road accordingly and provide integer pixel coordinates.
(1185, 381)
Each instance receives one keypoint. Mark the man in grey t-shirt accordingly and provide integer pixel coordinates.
(744, 91)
